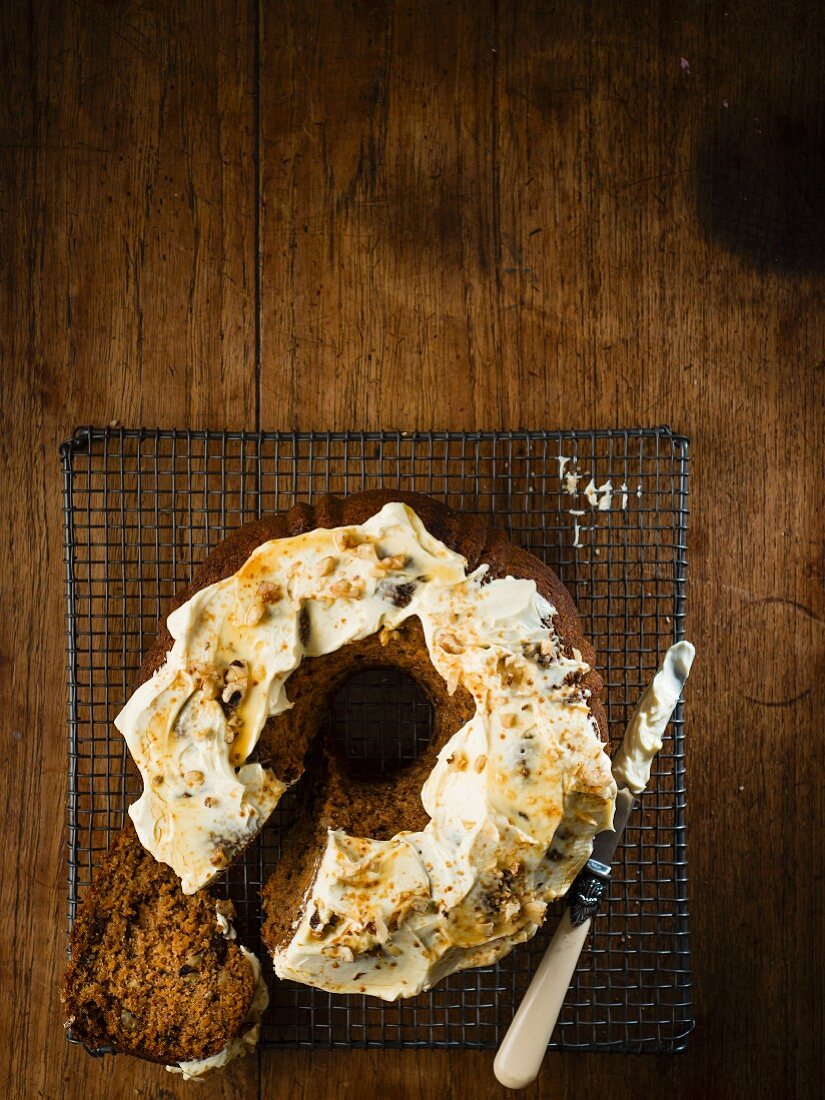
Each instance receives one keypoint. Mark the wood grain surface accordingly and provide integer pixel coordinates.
(440, 215)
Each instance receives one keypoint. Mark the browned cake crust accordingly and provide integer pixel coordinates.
(355, 803)
(151, 973)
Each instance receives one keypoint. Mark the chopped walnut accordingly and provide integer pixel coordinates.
(229, 736)
(534, 910)
(254, 613)
(386, 635)
(210, 802)
(511, 673)
(269, 592)
(210, 686)
(326, 566)
(219, 859)
(235, 671)
(449, 643)
(365, 550)
(481, 763)
(266, 593)
(347, 590)
(193, 778)
(236, 679)
(508, 720)
(157, 780)
(345, 540)
(392, 563)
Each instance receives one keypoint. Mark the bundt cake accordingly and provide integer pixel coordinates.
(385, 885)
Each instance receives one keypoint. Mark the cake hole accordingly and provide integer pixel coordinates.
(379, 721)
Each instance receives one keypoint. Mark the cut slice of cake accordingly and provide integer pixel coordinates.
(157, 973)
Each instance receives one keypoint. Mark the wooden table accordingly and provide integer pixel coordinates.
(444, 215)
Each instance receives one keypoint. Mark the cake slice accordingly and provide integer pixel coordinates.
(156, 973)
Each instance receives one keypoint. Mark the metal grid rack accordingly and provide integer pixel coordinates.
(143, 507)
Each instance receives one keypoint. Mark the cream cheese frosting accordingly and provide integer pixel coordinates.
(643, 737)
(246, 1041)
(514, 799)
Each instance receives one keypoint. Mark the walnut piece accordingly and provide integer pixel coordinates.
(392, 563)
(345, 540)
(236, 679)
(347, 590)
(326, 566)
(269, 592)
(449, 643)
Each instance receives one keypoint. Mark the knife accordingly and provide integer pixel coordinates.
(522, 1050)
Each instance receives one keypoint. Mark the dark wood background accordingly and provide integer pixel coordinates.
(444, 215)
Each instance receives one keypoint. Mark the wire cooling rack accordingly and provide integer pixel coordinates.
(142, 508)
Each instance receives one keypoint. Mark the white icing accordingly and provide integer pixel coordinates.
(527, 774)
(245, 1042)
(599, 496)
(570, 478)
(643, 738)
(225, 924)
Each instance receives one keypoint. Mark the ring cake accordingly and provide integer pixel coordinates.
(448, 863)
(386, 885)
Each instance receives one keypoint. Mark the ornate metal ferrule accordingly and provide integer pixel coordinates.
(586, 892)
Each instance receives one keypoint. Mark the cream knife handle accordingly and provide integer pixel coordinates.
(522, 1051)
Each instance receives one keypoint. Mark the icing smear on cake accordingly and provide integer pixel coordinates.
(515, 798)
